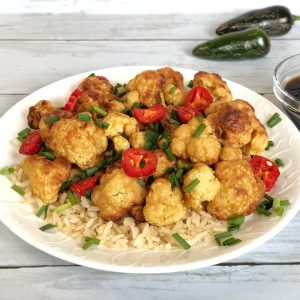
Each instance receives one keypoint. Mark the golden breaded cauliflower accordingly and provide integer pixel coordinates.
(240, 191)
(164, 205)
(46, 176)
(130, 98)
(117, 194)
(37, 111)
(162, 163)
(230, 154)
(149, 85)
(206, 190)
(79, 142)
(205, 148)
(120, 143)
(173, 89)
(137, 139)
(214, 83)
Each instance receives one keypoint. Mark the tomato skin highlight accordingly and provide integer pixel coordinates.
(150, 115)
(137, 162)
(72, 100)
(82, 186)
(185, 114)
(198, 99)
(266, 169)
(32, 144)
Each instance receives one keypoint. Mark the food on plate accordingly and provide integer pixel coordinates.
(145, 164)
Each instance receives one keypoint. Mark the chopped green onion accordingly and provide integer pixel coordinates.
(47, 227)
(91, 171)
(222, 235)
(51, 120)
(22, 135)
(190, 84)
(175, 122)
(89, 242)
(279, 211)
(62, 207)
(42, 210)
(269, 198)
(100, 111)
(191, 186)
(270, 144)
(274, 120)
(137, 105)
(181, 241)
(285, 203)
(235, 222)
(101, 124)
(49, 154)
(199, 130)
(127, 111)
(231, 241)
(71, 197)
(141, 182)
(7, 171)
(151, 140)
(172, 90)
(122, 100)
(88, 194)
(179, 173)
(18, 189)
(92, 75)
(200, 118)
(173, 180)
(279, 162)
(170, 154)
(261, 210)
(84, 117)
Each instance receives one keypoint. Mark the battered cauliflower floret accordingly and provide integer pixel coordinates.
(240, 191)
(131, 98)
(96, 83)
(214, 84)
(231, 154)
(79, 142)
(173, 88)
(46, 176)
(205, 148)
(115, 106)
(149, 85)
(162, 163)
(120, 123)
(164, 205)
(37, 111)
(117, 194)
(206, 190)
(120, 143)
(137, 139)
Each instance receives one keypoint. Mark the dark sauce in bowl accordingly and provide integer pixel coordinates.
(293, 87)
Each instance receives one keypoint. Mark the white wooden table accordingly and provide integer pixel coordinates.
(36, 50)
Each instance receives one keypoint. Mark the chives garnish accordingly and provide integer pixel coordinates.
(181, 241)
(91, 171)
(141, 182)
(199, 130)
(18, 189)
(279, 211)
(92, 75)
(270, 144)
(268, 197)
(173, 180)
(200, 118)
(100, 111)
(22, 135)
(71, 197)
(221, 235)
(275, 119)
(190, 84)
(137, 105)
(89, 242)
(62, 207)
(231, 241)
(175, 122)
(172, 90)
(127, 111)
(191, 186)
(7, 171)
(47, 227)
(179, 173)
(238, 220)
(285, 203)
(170, 154)
(42, 210)
(48, 154)
(122, 100)
(88, 194)
(84, 117)
(279, 162)
(101, 124)
(51, 120)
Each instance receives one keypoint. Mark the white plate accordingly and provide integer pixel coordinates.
(258, 229)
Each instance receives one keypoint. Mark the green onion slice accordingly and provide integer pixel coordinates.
(199, 130)
(63, 207)
(49, 154)
(101, 124)
(91, 171)
(84, 117)
(42, 210)
(51, 120)
(191, 186)
(236, 221)
(175, 122)
(71, 197)
(274, 120)
(279, 162)
(18, 189)
(181, 241)
(231, 241)
(100, 111)
(270, 144)
(200, 118)
(172, 90)
(190, 84)
(47, 227)
(170, 154)
(285, 203)
(7, 171)
(89, 242)
(141, 182)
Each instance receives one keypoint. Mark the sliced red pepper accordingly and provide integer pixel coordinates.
(185, 114)
(72, 100)
(32, 144)
(266, 169)
(198, 99)
(150, 115)
(82, 186)
(139, 162)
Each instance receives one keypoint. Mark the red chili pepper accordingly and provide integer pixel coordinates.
(82, 186)
(266, 169)
(32, 144)
(72, 100)
(150, 115)
(185, 114)
(198, 99)
(139, 162)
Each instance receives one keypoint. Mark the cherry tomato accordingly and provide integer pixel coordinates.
(185, 114)
(72, 100)
(139, 162)
(82, 186)
(32, 144)
(149, 115)
(266, 169)
(198, 98)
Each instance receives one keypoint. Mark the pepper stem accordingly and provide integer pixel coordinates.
(295, 18)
